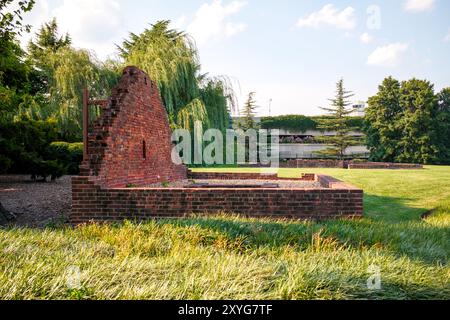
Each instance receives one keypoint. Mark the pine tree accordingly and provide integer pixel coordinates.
(248, 113)
(48, 39)
(337, 123)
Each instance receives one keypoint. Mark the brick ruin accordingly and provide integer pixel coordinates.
(130, 148)
(130, 143)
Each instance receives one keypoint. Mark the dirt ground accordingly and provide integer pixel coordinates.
(36, 204)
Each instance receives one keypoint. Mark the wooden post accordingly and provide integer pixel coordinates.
(85, 123)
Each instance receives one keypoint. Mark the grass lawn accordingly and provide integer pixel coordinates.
(236, 258)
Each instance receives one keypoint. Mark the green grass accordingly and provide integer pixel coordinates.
(236, 258)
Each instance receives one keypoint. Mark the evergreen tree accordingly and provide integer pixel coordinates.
(47, 41)
(247, 120)
(337, 123)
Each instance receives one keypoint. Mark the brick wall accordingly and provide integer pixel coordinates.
(313, 163)
(318, 163)
(245, 176)
(384, 165)
(91, 202)
(130, 142)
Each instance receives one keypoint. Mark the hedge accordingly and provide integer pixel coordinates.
(26, 148)
(303, 123)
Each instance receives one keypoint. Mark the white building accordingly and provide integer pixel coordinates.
(358, 108)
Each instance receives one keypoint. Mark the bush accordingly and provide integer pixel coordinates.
(69, 155)
(27, 149)
(5, 164)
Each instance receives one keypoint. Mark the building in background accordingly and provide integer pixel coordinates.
(359, 109)
(305, 144)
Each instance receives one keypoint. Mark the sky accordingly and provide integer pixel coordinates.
(290, 52)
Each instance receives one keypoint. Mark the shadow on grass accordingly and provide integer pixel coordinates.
(390, 225)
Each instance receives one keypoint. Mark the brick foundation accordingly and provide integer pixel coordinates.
(336, 199)
(313, 163)
(340, 164)
(245, 176)
(384, 165)
(130, 146)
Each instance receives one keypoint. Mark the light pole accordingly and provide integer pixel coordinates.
(270, 107)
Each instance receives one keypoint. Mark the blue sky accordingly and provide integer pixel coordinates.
(290, 51)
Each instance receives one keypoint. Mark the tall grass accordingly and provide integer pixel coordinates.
(228, 257)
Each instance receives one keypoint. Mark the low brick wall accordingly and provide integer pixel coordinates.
(90, 202)
(313, 163)
(384, 165)
(245, 176)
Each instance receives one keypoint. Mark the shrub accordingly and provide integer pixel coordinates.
(5, 164)
(69, 155)
(27, 149)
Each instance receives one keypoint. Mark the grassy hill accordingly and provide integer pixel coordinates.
(236, 258)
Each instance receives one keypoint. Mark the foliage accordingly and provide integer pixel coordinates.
(338, 123)
(170, 58)
(382, 117)
(27, 147)
(217, 94)
(407, 122)
(75, 70)
(247, 120)
(11, 22)
(47, 42)
(252, 258)
(443, 125)
(24, 148)
(14, 73)
(300, 123)
(69, 155)
(48, 81)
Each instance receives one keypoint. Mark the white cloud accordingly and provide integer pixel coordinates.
(329, 15)
(388, 56)
(91, 24)
(419, 5)
(211, 21)
(366, 38)
(95, 25)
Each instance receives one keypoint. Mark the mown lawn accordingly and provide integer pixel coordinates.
(235, 258)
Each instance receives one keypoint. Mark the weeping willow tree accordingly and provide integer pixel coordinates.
(171, 59)
(219, 98)
(62, 73)
(75, 70)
